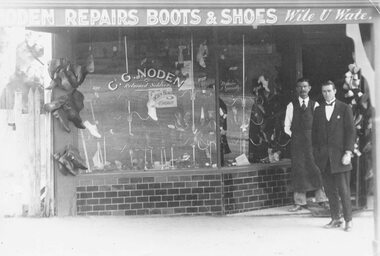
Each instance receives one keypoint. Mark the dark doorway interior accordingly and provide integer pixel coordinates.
(325, 61)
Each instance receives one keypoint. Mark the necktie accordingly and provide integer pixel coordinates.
(331, 103)
(303, 105)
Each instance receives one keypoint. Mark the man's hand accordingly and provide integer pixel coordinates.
(346, 159)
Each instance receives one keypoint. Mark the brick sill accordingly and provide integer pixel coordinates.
(253, 167)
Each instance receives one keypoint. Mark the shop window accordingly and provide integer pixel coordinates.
(251, 98)
(150, 100)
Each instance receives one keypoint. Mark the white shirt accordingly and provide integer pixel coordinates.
(289, 114)
(329, 109)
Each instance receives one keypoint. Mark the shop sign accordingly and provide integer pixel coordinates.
(162, 98)
(145, 79)
(82, 17)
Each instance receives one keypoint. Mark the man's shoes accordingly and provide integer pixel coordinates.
(297, 208)
(324, 205)
(348, 226)
(333, 224)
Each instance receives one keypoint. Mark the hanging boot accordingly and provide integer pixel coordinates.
(61, 116)
(62, 168)
(72, 74)
(65, 83)
(69, 166)
(53, 66)
(55, 104)
(72, 108)
(72, 155)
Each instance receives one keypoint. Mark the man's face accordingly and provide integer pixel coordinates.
(303, 89)
(328, 92)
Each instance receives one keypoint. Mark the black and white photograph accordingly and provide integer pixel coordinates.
(213, 127)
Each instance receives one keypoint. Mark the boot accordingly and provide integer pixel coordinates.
(72, 108)
(72, 155)
(60, 115)
(57, 156)
(69, 166)
(54, 105)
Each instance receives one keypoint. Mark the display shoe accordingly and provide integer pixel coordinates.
(72, 108)
(71, 75)
(53, 66)
(61, 167)
(93, 129)
(152, 110)
(68, 165)
(62, 119)
(54, 105)
(65, 83)
(333, 224)
(74, 117)
(72, 155)
(348, 226)
(296, 208)
(57, 155)
(63, 164)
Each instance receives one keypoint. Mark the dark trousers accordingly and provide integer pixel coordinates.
(338, 185)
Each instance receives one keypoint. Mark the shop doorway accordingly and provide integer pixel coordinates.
(325, 61)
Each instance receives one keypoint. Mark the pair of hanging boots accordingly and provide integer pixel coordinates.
(66, 108)
(69, 76)
(70, 161)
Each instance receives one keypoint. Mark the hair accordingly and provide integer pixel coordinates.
(329, 82)
(302, 79)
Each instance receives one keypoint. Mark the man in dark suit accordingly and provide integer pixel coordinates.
(333, 138)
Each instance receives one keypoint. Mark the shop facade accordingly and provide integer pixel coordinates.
(178, 109)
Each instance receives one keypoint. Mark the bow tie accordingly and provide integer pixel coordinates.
(331, 103)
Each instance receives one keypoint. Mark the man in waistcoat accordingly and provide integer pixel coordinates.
(305, 174)
(333, 139)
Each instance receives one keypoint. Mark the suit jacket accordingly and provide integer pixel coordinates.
(330, 139)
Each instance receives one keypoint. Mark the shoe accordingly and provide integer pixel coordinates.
(72, 155)
(61, 116)
(348, 226)
(54, 105)
(297, 208)
(92, 128)
(324, 205)
(333, 224)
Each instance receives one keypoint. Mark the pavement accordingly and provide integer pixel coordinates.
(235, 235)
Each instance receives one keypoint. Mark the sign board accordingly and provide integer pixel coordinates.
(145, 79)
(119, 17)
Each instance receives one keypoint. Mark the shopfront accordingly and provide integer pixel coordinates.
(179, 109)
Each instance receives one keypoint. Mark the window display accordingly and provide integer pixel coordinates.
(249, 90)
(152, 98)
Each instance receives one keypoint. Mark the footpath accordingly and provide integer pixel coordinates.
(252, 234)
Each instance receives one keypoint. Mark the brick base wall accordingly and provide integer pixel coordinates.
(253, 190)
(208, 192)
(174, 194)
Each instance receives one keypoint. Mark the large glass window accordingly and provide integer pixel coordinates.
(250, 97)
(177, 98)
(151, 98)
